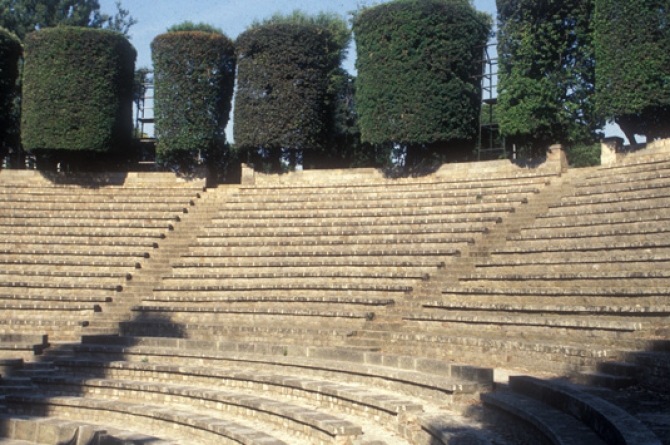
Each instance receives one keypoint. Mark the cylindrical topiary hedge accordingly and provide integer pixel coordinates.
(77, 90)
(10, 53)
(194, 76)
(283, 99)
(417, 71)
(632, 40)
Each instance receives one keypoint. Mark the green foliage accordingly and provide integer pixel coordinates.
(285, 95)
(417, 67)
(194, 75)
(10, 53)
(546, 72)
(24, 16)
(633, 70)
(188, 26)
(344, 148)
(77, 90)
(584, 155)
(335, 24)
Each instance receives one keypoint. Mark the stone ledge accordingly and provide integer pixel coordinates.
(299, 274)
(556, 426)
(398, 213)
(215, 399)
(306, 264)
(307, 206)
(558, 292)
(525, 320)
(587, 211)
(251, 311)
(47, 307)
(39, 285)
(351, 223)
(85, 253)
(609, 421)
(59, 298)
(568, 276)
(534, 307)
(418, 368)
(71, 263)
(341, 232)
(286, 286)
(583, 248)
(274, 299)
(64, 244)
(324, 253)
(616, 199)
(348, 195)
(82, 408)
(139, 327)
(645, 221)
(79, 216)
(392, 405)
(609, 190)
(67, 274)
(650, 230)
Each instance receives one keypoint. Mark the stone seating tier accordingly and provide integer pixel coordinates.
(44, 431)
(198, 428)
(305, 423)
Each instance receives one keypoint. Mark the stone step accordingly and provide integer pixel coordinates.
(553, 425)
(610, 422)
(200, 427)
(305, 423)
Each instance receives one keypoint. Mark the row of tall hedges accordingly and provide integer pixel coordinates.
(418, 83)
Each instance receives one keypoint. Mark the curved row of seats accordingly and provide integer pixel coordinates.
(67, 251)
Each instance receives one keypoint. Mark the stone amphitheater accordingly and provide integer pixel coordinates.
(486, 303)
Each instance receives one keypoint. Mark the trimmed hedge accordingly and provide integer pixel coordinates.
(10, 53)
(77, 90)
(633, 69)
(283, 99)
(417, 66)
(194, 75)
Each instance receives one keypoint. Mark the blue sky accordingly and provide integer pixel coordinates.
(232, 16)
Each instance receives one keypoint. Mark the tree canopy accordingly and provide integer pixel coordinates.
(190, 26)
(633, 69)
(546, 72)
(418, 72)
(24, 16)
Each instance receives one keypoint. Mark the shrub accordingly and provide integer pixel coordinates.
(77, 90)
(633, 69)
(10, 53)
(547, 75)
(417, 67)
(194, 75)
(286, 91)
